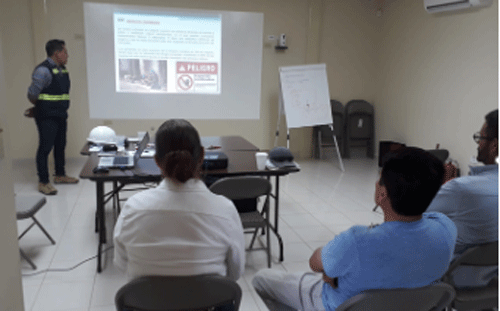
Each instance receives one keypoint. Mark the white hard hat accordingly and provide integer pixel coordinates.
(102, 135)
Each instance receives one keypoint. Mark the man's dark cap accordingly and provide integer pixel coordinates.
(281, 157)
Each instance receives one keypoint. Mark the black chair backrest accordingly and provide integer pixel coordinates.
(359, 106)
(337, 107)
(338, 113)
(429, 298)
(176, 293)
(481, 255)
(476, 297)
(241, 187)
(359, 119)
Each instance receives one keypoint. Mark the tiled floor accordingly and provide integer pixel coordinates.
(316, 204)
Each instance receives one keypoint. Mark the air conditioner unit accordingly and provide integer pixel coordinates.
(434, 6)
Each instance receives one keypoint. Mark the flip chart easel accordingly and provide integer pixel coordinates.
(305, 100)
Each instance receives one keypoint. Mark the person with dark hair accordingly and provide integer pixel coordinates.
(49, 92)
(180, 227)
(409, 249)
(471, 202)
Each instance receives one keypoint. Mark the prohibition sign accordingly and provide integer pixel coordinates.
(185, 82)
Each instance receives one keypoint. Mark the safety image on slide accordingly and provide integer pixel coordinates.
(142, 75)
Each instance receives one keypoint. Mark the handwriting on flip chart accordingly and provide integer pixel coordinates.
(306, 99)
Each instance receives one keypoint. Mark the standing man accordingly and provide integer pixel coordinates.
(409, 249)
(471, 202)
(49, 92)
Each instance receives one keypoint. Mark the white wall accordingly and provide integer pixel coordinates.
(349, 41)
(438, 76)
(34, 23)
(11, 296)
(64, 19)
(431, 78)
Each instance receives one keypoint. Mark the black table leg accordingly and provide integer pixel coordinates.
(101, 220)
(276, 215)
(96, 222)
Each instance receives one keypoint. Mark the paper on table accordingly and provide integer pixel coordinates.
(270, 165)
(148, 153)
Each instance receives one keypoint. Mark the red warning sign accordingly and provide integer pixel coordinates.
(185, 82)
(196, 77)
(190, 67)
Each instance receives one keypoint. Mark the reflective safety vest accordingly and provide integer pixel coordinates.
(53, 101)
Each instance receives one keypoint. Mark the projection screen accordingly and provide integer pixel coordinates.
(157, 63)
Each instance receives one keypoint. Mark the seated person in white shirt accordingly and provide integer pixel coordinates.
(179, 227)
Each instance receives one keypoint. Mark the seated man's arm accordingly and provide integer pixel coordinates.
(317, 266)
(315, 261)
(338, 258)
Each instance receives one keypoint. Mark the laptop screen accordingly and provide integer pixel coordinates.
(141, 147)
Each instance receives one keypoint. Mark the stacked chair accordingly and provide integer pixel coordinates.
(323, 134)
(353, 126)
(359, 127)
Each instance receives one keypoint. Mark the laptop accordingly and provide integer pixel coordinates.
(125, 161)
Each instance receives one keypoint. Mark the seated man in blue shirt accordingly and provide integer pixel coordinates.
(471, 202)
(409, 249)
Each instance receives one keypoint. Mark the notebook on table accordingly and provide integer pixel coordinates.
(128, 161)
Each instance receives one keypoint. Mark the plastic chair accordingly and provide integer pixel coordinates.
(324, 134)
(26, 207)
(360, 127)
(475, 298)
(429, 298)
(169, 293)
(248, 188)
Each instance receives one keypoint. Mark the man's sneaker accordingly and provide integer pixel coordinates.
(47, 189)
(65, 180)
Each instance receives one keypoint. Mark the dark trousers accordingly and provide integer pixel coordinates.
(51, 134)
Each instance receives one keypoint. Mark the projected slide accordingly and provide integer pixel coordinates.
(154, 62)
(167, 53)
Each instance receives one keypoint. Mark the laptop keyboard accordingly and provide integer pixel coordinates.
(120, 160)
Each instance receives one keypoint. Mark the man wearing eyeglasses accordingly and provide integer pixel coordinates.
(471, 202)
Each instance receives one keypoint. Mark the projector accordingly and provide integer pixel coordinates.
(215, 160)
